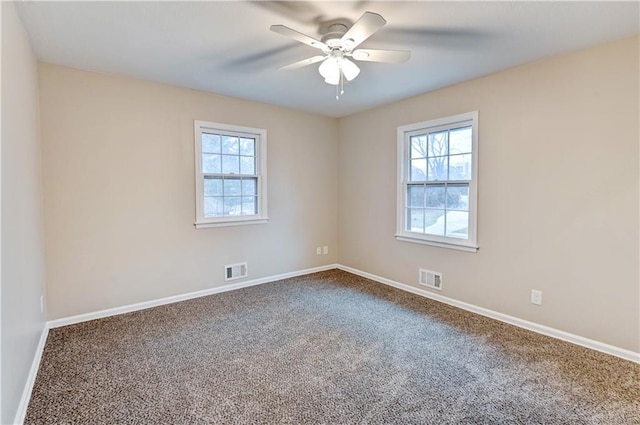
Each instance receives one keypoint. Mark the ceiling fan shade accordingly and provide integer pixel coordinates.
(330, 71)
(349, 69)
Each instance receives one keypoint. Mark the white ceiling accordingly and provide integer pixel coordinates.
(226, 47)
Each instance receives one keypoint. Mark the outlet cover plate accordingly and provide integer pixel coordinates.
(536, 297)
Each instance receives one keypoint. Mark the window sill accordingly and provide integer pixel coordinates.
(227, 223)
(459, 246)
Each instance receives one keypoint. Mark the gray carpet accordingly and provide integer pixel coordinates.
(328, 348)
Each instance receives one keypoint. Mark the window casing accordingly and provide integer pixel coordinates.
(231, 175)
(438, 182)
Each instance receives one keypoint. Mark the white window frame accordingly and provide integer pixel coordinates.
(404, 134)
(260, 135)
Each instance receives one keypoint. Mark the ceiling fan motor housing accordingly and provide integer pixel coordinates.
(334, 33)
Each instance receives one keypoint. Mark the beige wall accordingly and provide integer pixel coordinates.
(22, 228)
(119, 191)
(558, 193)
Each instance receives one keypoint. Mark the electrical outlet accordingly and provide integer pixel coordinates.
(319, 250)
(325, 250)
(536, 297)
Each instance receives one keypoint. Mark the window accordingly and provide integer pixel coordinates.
(231, 175)
(437, 182)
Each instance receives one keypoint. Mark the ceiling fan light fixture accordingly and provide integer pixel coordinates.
(330, 70)
(349, 69)
(340, 42)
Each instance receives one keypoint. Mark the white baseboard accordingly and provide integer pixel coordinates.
(545, 330)
(535, 327)
(26, 395)
(31, 378)
(182, 297)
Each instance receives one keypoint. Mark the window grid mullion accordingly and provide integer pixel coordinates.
(232, 176)
(438, 182)
(444, 232)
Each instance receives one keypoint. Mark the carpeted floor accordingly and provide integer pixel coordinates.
(329, 348)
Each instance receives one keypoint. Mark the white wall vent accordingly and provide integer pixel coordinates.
(430, 279)
(235, 271)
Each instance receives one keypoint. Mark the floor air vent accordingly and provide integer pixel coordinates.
(430, 279)
(235, 271)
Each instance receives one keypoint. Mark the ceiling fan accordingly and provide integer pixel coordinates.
(338, 44)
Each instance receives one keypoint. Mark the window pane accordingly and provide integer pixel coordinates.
(419, 146)
(415, 195)
(209, 206)
(438, 144)
(458, 224)
(230, 145)
(232, 205)
(210, 143)
(460, 167)
(458, 197)
(437, 168)
(247, 147)
(460, 140)
(435, 196)
(418, 169)
(249, 205)
(247, 165)
(249, 186)
(415, 219)
(213, 206)
(434, 222)
(230, 164)
(212, 187)
(231, 187)
(210, 163)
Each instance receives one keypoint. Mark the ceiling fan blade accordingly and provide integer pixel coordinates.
(388, 56)
(364, 27)
(303, 62)
(298, 36)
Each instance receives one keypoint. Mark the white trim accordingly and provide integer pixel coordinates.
(31, 378)
(459, 247)
(403, 135)
(238, 222)
(260, 135)
(182, 297)
(521, 323)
